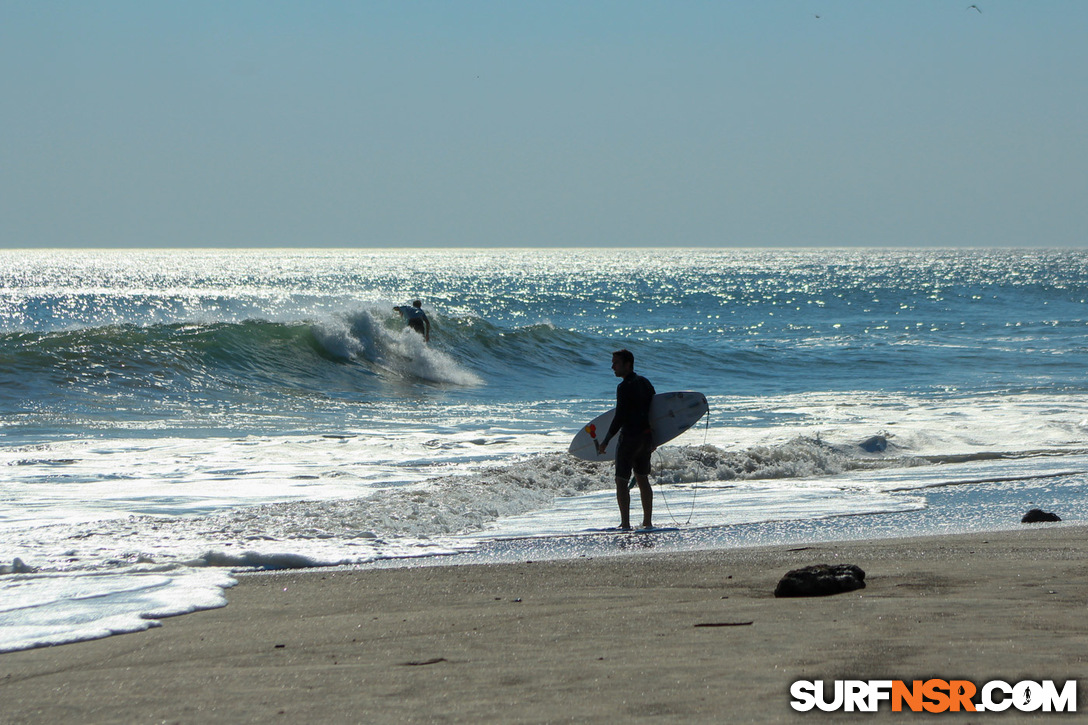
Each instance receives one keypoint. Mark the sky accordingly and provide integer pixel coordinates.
(508, 123)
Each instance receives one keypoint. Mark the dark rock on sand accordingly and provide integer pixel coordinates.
(874, 444)
(17, 567)
(820, 580)
(1036, 516)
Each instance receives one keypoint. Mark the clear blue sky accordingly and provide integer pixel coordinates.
(510, 123)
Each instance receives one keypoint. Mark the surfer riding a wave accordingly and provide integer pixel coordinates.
(632, 422)
(416, 318)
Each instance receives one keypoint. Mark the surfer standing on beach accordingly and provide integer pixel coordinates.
(416, 318)
(632, 422)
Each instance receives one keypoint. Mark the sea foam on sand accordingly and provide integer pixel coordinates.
(39, 610)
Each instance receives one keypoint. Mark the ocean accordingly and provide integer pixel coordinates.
(169, 418)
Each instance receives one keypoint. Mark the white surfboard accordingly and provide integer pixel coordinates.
(670, 415)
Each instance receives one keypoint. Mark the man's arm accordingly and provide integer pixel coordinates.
(622, 404)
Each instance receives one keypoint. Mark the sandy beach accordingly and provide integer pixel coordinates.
(588, 640)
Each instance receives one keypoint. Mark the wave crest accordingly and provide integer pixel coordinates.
(799, 458)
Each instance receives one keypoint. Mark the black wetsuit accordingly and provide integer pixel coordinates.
(415, 317)
(632, 422)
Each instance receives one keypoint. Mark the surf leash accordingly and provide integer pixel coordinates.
(695, 485)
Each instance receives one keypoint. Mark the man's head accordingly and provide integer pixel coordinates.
(416, 303)
(623, 363)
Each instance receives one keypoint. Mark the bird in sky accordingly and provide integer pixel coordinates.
(975, 7)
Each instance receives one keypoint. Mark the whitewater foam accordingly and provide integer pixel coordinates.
(38, 610)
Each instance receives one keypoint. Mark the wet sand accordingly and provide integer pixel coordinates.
(589, 640)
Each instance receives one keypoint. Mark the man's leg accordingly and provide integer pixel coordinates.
(646, 495)
(623, 498)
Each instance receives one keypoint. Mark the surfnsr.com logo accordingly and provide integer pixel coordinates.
(934, 695)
